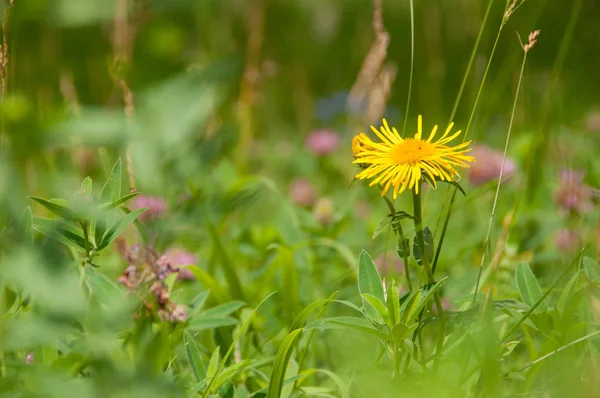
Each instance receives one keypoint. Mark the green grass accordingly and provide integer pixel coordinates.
(206, 107)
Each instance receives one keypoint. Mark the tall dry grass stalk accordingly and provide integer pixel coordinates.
(374, 81)
(123, 36)
(7, 6)
(533, 36)
(509, 10)
(251, 78)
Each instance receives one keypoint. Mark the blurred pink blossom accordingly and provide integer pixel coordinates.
(572, 194)
(156, 207)
(179, 258)
(566, 240)
(391, 261)
(302, 192)
(488, 164)
(322, 142)
(592, 121)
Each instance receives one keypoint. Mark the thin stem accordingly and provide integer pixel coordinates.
(564, 347)
(412, 63)
(458, 98)
(470, 64)
(541, 299)
(487, 68)
(436, 296)
(489, 230)
(398, 228)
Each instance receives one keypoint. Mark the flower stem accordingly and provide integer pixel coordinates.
(489, 230)
(418, 220)
(412, 63)
(398, 228)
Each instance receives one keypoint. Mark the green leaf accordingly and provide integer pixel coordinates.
(86, 188)
(228, 373)
(224, 309)
(528, 286)
(303, 315)
(281, 362)
(377, 305)
(393, 303)
(341, 385)
(209, 283)
(565, 295)
(201, 322)
(403, 247)
(457, 186)
(119, 202)
(429, 296)
(240, 333)
(592, 269)
(112, 187)
(291, 371)
(410, 307)
(385, 223)
(453, 183)
(60, 231)
(194, 357)
(57, 209)
(369, 281)
(284, 261)
(213, 363)
(428, 237)
(138, 225)
(391, 220)
(228, 269)
(401, 331)
(198, 302)
(119, 227)
(347, 322)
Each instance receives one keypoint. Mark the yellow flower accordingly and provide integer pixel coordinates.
(400, 162)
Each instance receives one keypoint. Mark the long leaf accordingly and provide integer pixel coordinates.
(224, 309)
(430, 293)
(111, 190)
(369, 280)
(242, 330)
(119, 227)
(231, 371)
(209, 283)
(120, 201)
(347, 322)
(528, 286)
(194, 357)
(60, 231)
(303, 315)
(57, 209)
(230, 273)
(201, 322)
(138, 225)
(393, 303)
(281, 360)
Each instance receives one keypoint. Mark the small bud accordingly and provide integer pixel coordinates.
(323, 211)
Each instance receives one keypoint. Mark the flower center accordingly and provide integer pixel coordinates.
(411, 151)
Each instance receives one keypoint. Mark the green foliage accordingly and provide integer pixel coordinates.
(227, 253)
(82, 225)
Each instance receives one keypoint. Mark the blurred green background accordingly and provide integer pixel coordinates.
(211, 105)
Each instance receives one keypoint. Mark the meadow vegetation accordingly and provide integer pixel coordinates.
(249, 198)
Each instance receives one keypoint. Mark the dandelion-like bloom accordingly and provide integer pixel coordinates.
(401, 162)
